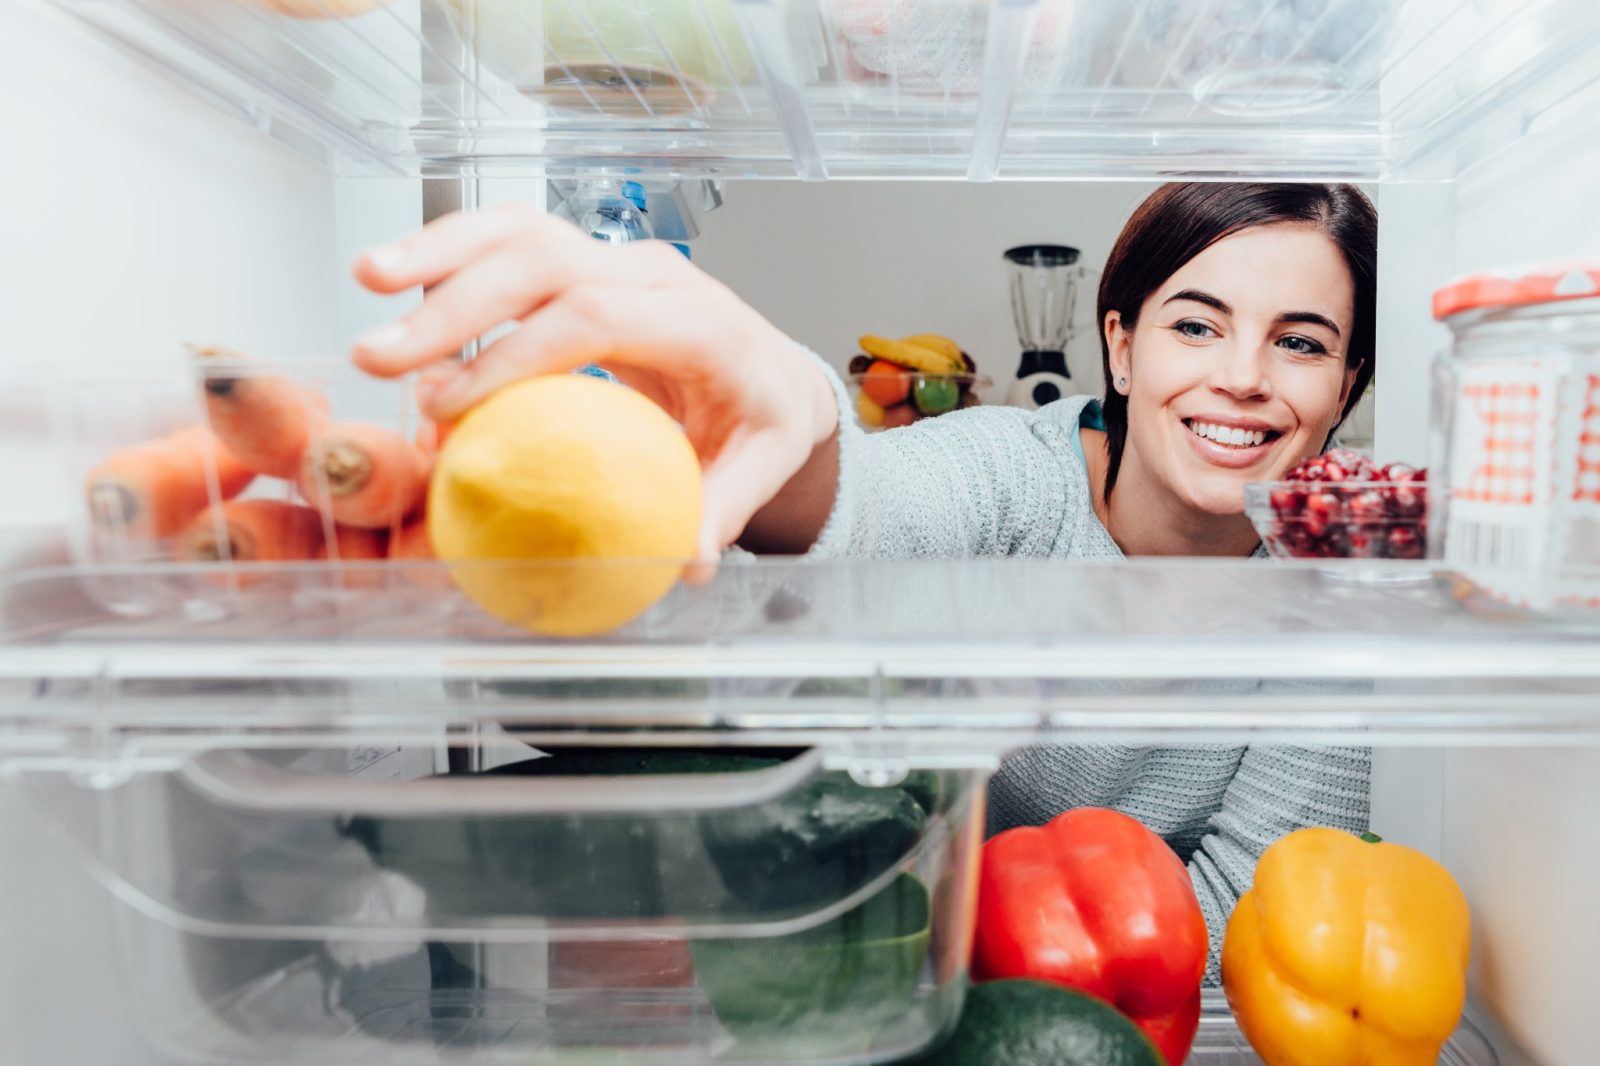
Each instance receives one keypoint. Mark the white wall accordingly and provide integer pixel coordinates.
(830, 262)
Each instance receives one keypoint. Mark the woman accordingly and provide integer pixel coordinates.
(1236, 334)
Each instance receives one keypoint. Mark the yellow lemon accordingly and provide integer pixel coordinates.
(588, 481)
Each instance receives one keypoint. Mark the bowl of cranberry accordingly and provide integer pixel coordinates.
(1342, 505)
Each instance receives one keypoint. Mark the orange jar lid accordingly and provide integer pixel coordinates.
(1521, 286)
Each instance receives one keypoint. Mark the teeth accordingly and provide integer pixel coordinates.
(1238, 438)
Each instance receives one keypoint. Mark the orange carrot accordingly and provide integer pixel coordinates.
(410, 547)
(153, 489)
(410, 541)
(264, 419)
(253, 531)
(353, 545)
(364, 475)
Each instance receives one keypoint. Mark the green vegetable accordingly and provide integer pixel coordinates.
(827, 990)
(1033, 1023)
(806, 849)
(813, 846)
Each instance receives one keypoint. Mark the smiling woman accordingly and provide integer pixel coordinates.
(1237, 332)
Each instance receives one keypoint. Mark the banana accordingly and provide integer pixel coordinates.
(911, 356)
(941, 344)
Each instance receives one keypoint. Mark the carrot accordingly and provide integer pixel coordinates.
(253, 531)
(264, 419)
(152, 489)
(364, 475)
(410, 546)
(410, 541)
(353, 545)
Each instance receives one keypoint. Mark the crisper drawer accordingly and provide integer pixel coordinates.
(584, 905)
(593, 905)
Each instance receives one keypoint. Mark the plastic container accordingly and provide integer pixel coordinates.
(1517, 417)
(343, 904)
(136, 510)
(1256, 57)
(932, 53)
(626, 58)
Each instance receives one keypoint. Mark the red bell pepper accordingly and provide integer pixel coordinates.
(1096, 902)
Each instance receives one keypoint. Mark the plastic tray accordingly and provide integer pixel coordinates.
(1354, 89)
(334, 905)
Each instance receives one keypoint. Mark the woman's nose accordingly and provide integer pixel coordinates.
(1241, 371)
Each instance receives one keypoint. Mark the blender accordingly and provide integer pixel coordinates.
(1044, 290)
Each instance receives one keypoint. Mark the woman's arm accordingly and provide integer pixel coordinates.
(1276, 790)
(982, 482)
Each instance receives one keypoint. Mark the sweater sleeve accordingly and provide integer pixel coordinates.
(978, 482)
(1276, 790)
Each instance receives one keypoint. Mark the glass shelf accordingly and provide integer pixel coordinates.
(974, 656)
(1346, 89)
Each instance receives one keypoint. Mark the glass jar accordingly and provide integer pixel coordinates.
(1517, 435)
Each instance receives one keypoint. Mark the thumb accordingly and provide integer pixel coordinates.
(743, 477)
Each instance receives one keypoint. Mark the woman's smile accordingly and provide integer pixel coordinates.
(1231, 441)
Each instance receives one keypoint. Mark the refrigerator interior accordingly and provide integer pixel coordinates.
(144, 214)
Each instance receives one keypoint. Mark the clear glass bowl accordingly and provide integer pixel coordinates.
(1340, 519)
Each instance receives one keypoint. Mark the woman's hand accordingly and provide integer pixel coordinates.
(753, 405)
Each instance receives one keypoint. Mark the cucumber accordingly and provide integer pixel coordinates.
(825, 991)
(802, 850)
(1034, 1023)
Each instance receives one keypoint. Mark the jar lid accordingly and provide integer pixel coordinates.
(1518, 286)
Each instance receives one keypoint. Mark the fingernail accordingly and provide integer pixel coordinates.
(387, 257)
(386, 336)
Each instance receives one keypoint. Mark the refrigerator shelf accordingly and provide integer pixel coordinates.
(967, 658)
(1280, 89)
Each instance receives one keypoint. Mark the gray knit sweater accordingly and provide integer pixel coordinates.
(1004, 481)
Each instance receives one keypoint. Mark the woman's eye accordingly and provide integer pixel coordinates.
(1193, 329)
(1302, 345)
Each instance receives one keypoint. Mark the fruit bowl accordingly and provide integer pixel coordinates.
(1342, 506)
(888, 397)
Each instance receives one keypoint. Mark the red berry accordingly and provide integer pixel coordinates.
(1322, 511)
(1335, 472)
(1402, 472)
(1366, 542)
(1406, 502)
(1368, 506)
(1288, 503)
(1405, 542)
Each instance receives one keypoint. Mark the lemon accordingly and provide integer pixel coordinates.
(587, 482)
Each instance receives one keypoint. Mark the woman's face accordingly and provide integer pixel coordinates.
(1236, 367)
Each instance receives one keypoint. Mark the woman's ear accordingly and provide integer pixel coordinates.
(1119, 342)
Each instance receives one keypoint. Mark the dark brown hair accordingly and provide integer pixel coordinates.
(1182, 219)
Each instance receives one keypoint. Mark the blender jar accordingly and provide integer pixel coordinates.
(1517, 424)
(1043, 279)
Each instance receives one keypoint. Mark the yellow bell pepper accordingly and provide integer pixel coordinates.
(1347, 952)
